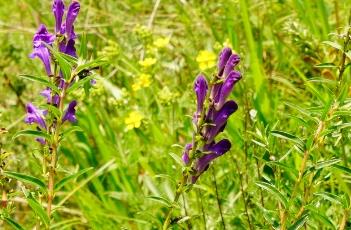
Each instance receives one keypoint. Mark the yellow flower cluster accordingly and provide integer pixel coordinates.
(143, 81)
(134, 120)
(161, 42)
(206, 59)
(147, 62)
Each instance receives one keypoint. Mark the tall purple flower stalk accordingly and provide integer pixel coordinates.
(213, 111)
(48, 47)
(210, 118)
(64, 38)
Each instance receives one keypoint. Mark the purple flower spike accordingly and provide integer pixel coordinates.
(70, 114)
(223, 58)
(227, 88)
(220, 120)
(58, 8)
(200, 88)
(185, 156)
(72, 14)
(35, 115)
(231, 63)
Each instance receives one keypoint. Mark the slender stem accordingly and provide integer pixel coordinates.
(179, 191)
(344, 219)
(217, 197)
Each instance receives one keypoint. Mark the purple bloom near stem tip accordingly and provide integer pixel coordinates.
(58, 8)
(216, 114)
(72, 14)
(70, 113)
(35, 115)
(200, 88)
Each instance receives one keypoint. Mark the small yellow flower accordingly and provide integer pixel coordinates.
(143, 81)
(134, 120)
(206, 59)
(161, 42)
(147, 62)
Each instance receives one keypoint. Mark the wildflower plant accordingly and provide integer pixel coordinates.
(211, 116)
(65, 74)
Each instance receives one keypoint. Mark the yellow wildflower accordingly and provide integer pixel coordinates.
(206, 59)
(147, 62)
(143, 81)
(134, 120)
(161, 42)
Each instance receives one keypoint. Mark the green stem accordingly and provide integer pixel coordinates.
(176, 198)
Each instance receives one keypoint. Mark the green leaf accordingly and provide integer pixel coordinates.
(288, 136)
(90, 65)
(274, 191)
(177, 159)
(39, 210)
(342, 168)
(331, 197)
(326, 65)
(41, 81)
(29, 132)
(327, 163)
(66, 63)
(13, 223)
(26, 179)
(334, 45)
(79, 83)
(67, 179)
(83, 49)
(299, 223)
(161, 200)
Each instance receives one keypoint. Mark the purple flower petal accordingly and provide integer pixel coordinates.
(58, 8)
(185, 156)
(219, 120)
(42, 37)
(55, 99)
(231, 63)
(227, 87)
(200, 88)
(72, 14)
(70, 49)
(216, 150)
(35, 115)
(70, 114)
(222, 60)
(41, 140)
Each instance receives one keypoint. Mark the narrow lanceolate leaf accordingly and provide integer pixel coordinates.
(342, 168)
(65, 63)
(91, 65)
(161, 200)
(67, 179)
(334, 45)
(71, 130)
(13, 224)
(26, 179)
(288, 136)
(299, 223)
(326, 65)
(34, 133)
(79, 83)
(331, 197)
(177, 159)
(39, 210)
(327, 163)
(42, 81)
(274, 191)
